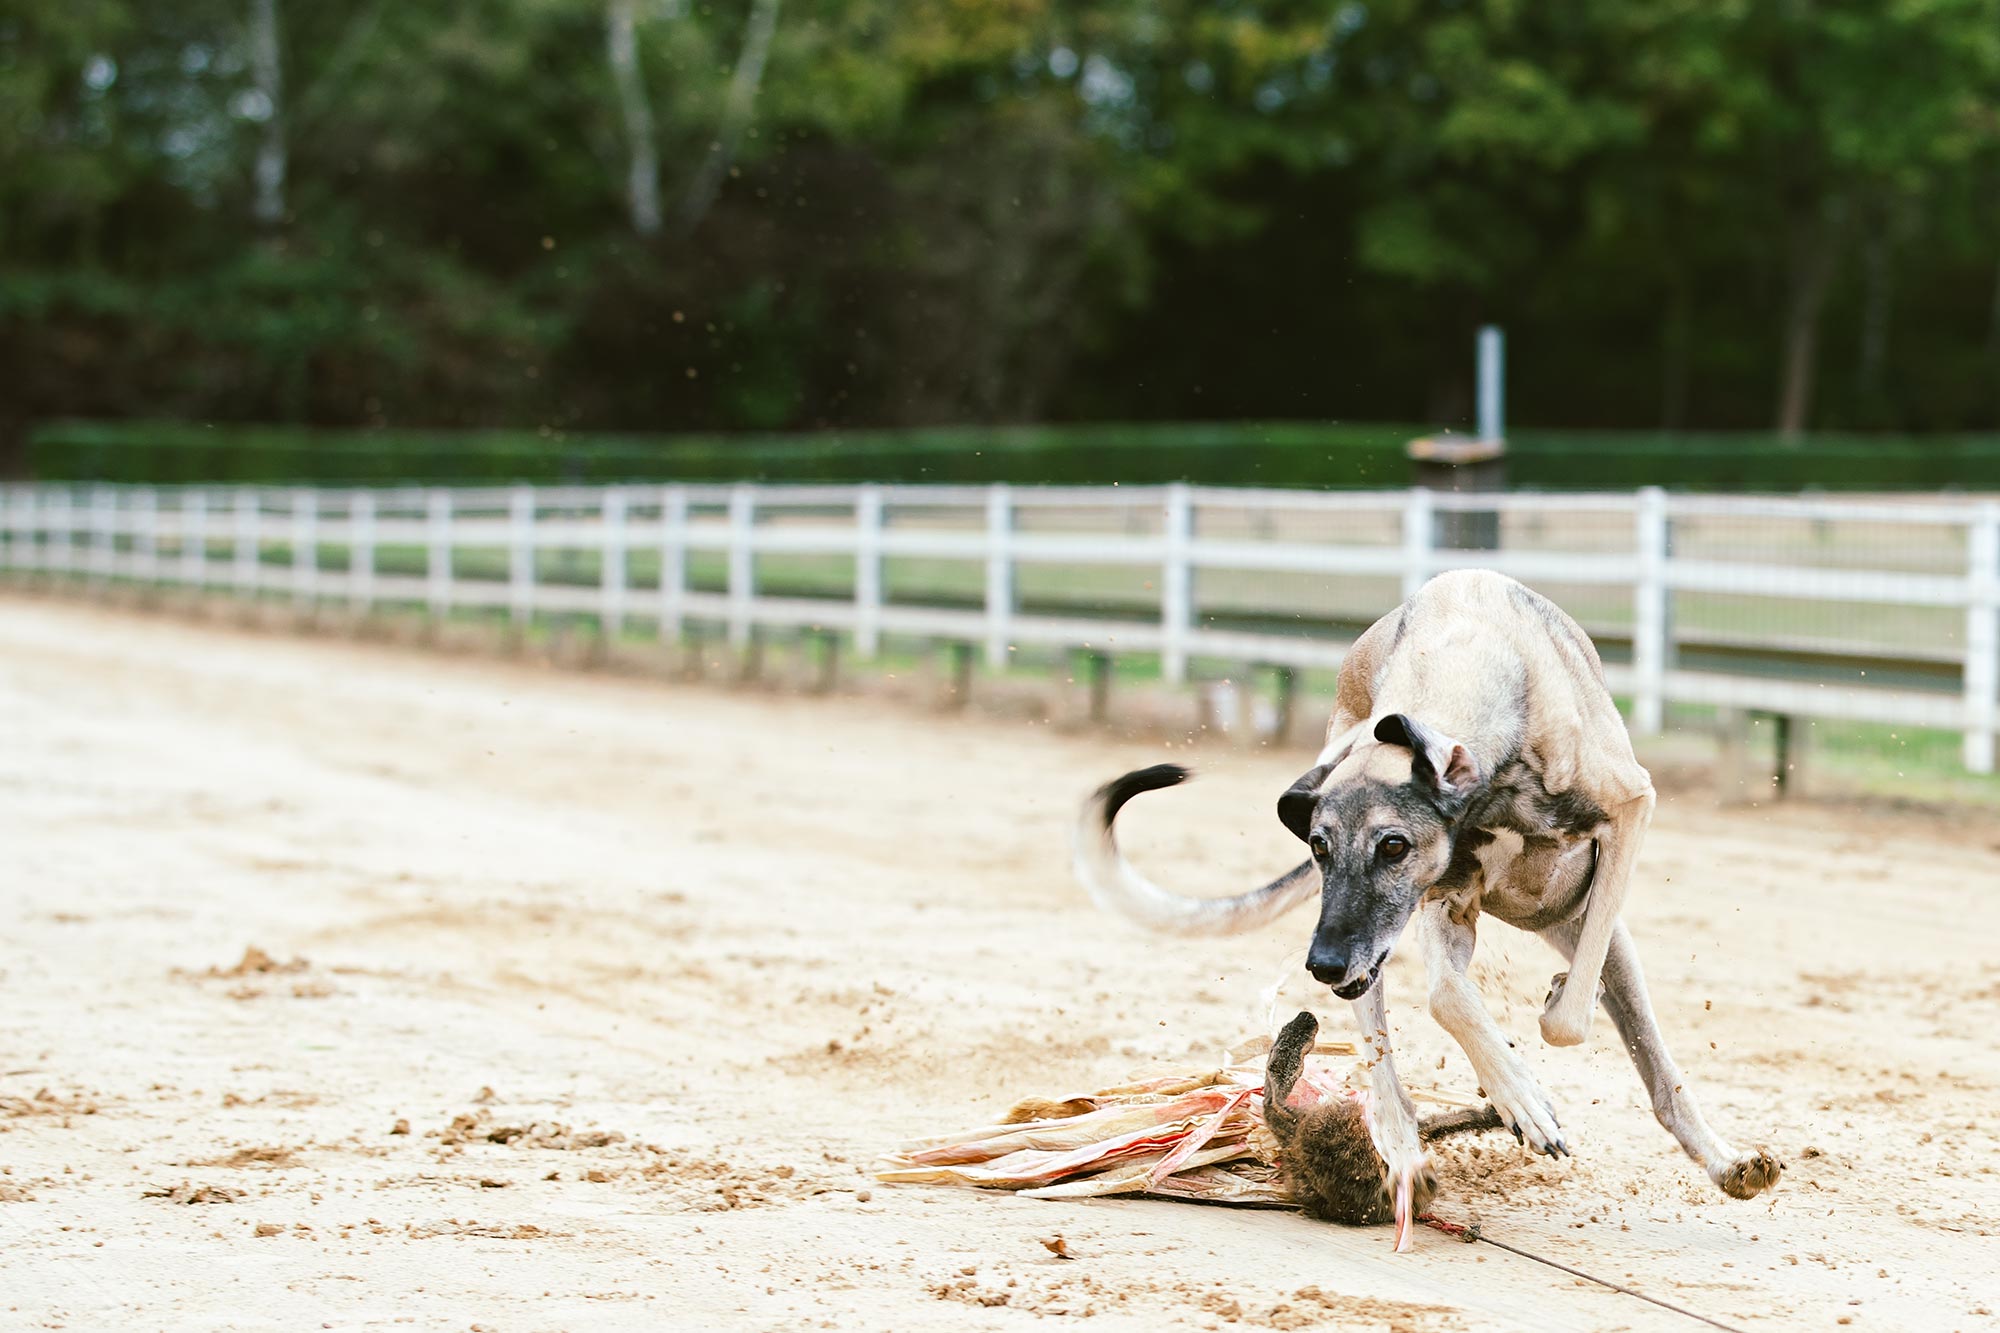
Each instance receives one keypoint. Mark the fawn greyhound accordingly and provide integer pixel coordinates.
(1474, 763)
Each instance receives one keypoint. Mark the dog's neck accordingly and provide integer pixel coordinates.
(1511, 796)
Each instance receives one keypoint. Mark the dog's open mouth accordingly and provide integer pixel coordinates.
(1354, 990)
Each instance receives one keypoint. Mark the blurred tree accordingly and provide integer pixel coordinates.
(1815, 124)
(898, 211)
(268, 104)
(737, 112)
(642, 175)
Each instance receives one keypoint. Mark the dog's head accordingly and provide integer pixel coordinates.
(1381, 814)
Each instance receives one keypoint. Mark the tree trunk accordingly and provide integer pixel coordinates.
(737, 111)
(1993, 347)
(1676, 347)
(642, 173)
(267, 73)
(1814, 242)
(1876, 293)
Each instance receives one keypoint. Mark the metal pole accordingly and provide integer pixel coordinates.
(1492, 383)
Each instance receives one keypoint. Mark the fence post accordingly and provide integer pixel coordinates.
(1649, 614)
(21, 518)
(27, 527)
(146, 535)
(32, 557)
(38, 527)
(62, 530)
(194, 538)
(361, 552)
(437, 562)
(1419, 523)
(868, 572)
(742, 564)
(611, 590)
(1177, 584)
(248, 520)
(1982, 639)
(999, 572)
(103, 532)
(521, 556)
(673, 561)
(20, 532)
(43, 537)
(305, 546)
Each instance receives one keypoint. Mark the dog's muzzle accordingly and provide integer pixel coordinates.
(1330, 969)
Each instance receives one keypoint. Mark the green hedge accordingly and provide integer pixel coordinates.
(1242, 454)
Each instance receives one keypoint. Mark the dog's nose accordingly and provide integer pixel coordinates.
(1329, 966)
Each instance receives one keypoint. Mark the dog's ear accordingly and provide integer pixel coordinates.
(1295, 807)
(1435, 758)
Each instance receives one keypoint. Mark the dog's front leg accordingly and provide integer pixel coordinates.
(1504, 1078)
(1392, 1117)
(1741, 1175)
(1573, 995)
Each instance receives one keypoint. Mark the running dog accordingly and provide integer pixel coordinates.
(1474, 763)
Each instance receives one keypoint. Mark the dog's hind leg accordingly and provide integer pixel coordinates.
(1573, 996)
(1504, 1078)
(1741, 1175)
(1392, 1116)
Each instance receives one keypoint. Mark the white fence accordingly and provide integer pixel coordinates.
(1783, 605)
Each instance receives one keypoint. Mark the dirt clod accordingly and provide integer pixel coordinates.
(190, 1193)
(256, 962)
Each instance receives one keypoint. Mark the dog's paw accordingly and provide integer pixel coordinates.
(1526, 1109)
(1423, 1184)
(1407, 1193)
(1565, 1024)
(1408, 1182)
(1750, 1175)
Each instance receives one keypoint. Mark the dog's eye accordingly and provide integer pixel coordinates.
(1393, 848)
(1318, 845)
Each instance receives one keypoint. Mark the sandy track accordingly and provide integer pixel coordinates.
(762, 937)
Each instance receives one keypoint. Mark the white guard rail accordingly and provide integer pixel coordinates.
(1777, 604)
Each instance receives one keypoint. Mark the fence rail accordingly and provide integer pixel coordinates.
(1784, 605)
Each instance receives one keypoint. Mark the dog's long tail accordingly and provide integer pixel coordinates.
(1115, 886)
